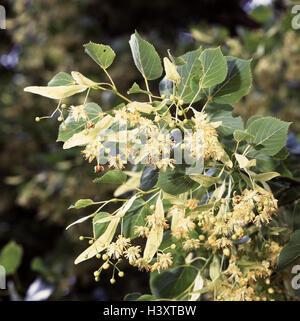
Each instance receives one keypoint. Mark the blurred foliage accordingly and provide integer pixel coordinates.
(38, 178)
(274, 50)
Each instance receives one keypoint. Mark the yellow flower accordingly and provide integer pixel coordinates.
(142, 231)
(92, 150)
(164, 260)
(78, 112)
(191, 244)
(122, 242)
(114, 251)
(141, 264)
(132, 253)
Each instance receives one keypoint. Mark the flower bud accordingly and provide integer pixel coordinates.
(96, 273)
(226, 252)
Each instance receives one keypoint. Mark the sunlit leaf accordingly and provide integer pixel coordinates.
(214, 67)
(113, 177)
(101, 54)
(57, 92)
(145, 57)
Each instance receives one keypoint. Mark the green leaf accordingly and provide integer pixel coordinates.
(132, 296)
(131, 184)
(80, 79)
(93, 112)
(145, 57)
(11, 257)
(101, 54)
(167, 241)
(57, 92)
(99, 228)
(112, 177)
(138, 204)
(176, 60)
(269, 132)
(252, 119)
(240, 135)
(145, 297)
(204, 180)
(136, 89)
(39, 266)
(173, 282)
(61, 79)
(220, 112)
(214, 67)
(135, 218)
(175, 182)
(282, 154)
(290, 252)
(236, 84)
(135, 296)
(295, 216)
(264, 176)
(188, 72)
(284, 171)
(83, 203)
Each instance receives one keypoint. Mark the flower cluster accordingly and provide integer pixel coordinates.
(148, 141)
(217, 211)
